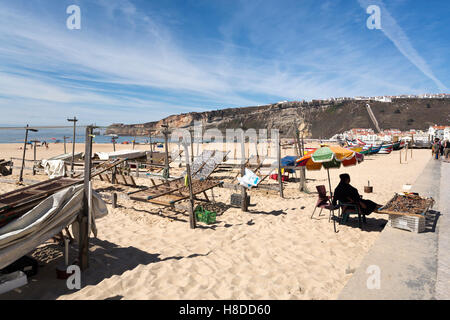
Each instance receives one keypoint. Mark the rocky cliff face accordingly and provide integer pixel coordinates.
(317, 119)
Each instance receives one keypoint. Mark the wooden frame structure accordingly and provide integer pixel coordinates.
(15, 203)
(169, 195)
(171, 192)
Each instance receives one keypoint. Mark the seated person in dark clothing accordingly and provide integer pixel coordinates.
(345, 193)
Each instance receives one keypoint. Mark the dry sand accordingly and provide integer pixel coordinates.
(275, 251)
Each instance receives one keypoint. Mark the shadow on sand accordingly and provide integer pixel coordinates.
(106, 260)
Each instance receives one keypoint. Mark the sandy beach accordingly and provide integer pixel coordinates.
(275, 251)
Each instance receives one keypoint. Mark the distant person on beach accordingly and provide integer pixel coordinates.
(436, 149)
(446, 149)
(345, 193)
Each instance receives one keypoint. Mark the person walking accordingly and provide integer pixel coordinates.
(435, 149)
(446, 149)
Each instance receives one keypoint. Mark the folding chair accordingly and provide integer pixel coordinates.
(324, 202)
(351, 208)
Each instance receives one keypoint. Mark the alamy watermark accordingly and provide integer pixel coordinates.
(374, 279)
(73, 282)
(257, 142)
(374, 20)
(73, 22)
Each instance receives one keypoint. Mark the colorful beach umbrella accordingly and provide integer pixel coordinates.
(330, 157)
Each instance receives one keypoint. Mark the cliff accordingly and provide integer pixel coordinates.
(318, 119)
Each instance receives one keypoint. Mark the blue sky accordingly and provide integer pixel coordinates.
(135, 61)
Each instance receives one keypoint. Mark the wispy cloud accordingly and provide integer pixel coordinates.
(399, 38)
(128, 66)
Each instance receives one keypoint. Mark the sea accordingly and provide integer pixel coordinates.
(52, 135)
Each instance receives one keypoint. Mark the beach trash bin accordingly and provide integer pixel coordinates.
(204, 216)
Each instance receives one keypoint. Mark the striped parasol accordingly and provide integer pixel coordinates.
(330, 157)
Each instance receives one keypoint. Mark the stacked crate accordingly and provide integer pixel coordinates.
(410, 223)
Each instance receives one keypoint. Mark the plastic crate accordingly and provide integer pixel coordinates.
(409, 223)
(205, 216)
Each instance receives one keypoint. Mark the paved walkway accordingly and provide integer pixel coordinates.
(443, 274)
(411, 265)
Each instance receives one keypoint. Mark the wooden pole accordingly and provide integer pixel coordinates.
(191, 131)
(23, 155)
(74, 120)
(151, 146)
(137, 169)
(303, 146)
(300, 154)
(280, 181)
(166, 159)
(244, 203)
(329, 183)
(34, 155)
(406, 153)
(114, 200)
(192, 221)
(83, 218)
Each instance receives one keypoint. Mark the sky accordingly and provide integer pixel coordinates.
(135, 61)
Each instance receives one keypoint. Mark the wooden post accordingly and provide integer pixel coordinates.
(114, 175)
(192, 221)
(23, 156)
(114, 143)
(83, 218)
(280, 181)
(400, 153)
(34, 155)
(134, 141)
(65, 149)
(74, 120)
(303, 146)
(406, 154)
(300, 154)
(191, 131)
(166, 158)
(244, 203)
(151, 146)
(114, 200)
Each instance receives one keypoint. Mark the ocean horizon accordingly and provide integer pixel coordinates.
(57, 136)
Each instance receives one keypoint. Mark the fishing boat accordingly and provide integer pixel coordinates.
(397, 145)
(356, 149)
(375, 149)
(366, 150)
(386, 148)
(307, 150)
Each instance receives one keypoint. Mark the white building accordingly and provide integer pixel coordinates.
(440, 132)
